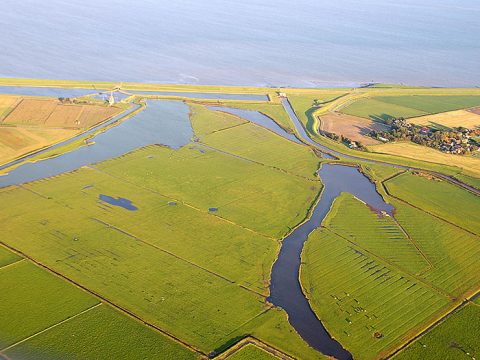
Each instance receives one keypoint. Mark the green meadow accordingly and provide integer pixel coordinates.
(7, 257)
(455, 338)
(380, 235)
(65, 322)
(380, 111)
(250, 141)
(366, 303)
(101, 333)
(367, 267)
(304, 105)
(274, 110)
(433, 103)
(440, 198)
(382, 108)
(268, 201)
(48, 299)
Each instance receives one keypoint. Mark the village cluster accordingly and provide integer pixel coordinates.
(457, 140)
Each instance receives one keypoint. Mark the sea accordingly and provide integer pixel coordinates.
(302, 43)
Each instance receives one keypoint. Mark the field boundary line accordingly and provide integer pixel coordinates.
(414, 243)
(12, 109)
(173, 255)
(255, 162)
(428, 212)
(51, 327)
(227, 128)
(32, 191)
(11, 264)
(433, 325)
(252, 340)
(263, 127)
(105, 300)
(403, 272)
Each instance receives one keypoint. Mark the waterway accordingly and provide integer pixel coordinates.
(163, 122)
(285, 289)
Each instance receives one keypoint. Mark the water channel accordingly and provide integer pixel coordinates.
(163, 122)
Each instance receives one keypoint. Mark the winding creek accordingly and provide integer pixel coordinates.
(167, 122)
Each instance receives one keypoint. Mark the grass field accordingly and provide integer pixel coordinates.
(378, 172)
(160, 287)
(273, 110)
(101, 333)
(380, 111)
(267, 201)
(378, 235)
(250, 141)
(352, 127)
(49, 300)
(381, 108)
(303, 104)
(451, 252)
(251, 352)
(131, 260)
(365, 303)
(439, 197)
(433, 103)
(169, 227)
(468, 165)
(7, 257)
(449, 119)
(360, 264)
(52, 113)
(455, 338)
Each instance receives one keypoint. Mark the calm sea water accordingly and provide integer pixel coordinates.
(281, 42)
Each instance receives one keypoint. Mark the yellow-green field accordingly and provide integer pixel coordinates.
(16, 141)
(469, 165)
(455, 338)
(59, 310)
(449, 119)
(428, 250)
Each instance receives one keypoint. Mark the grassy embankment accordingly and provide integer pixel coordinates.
(394, 279)
(200, 275)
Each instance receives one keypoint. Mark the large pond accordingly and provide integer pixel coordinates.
(164, 122)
